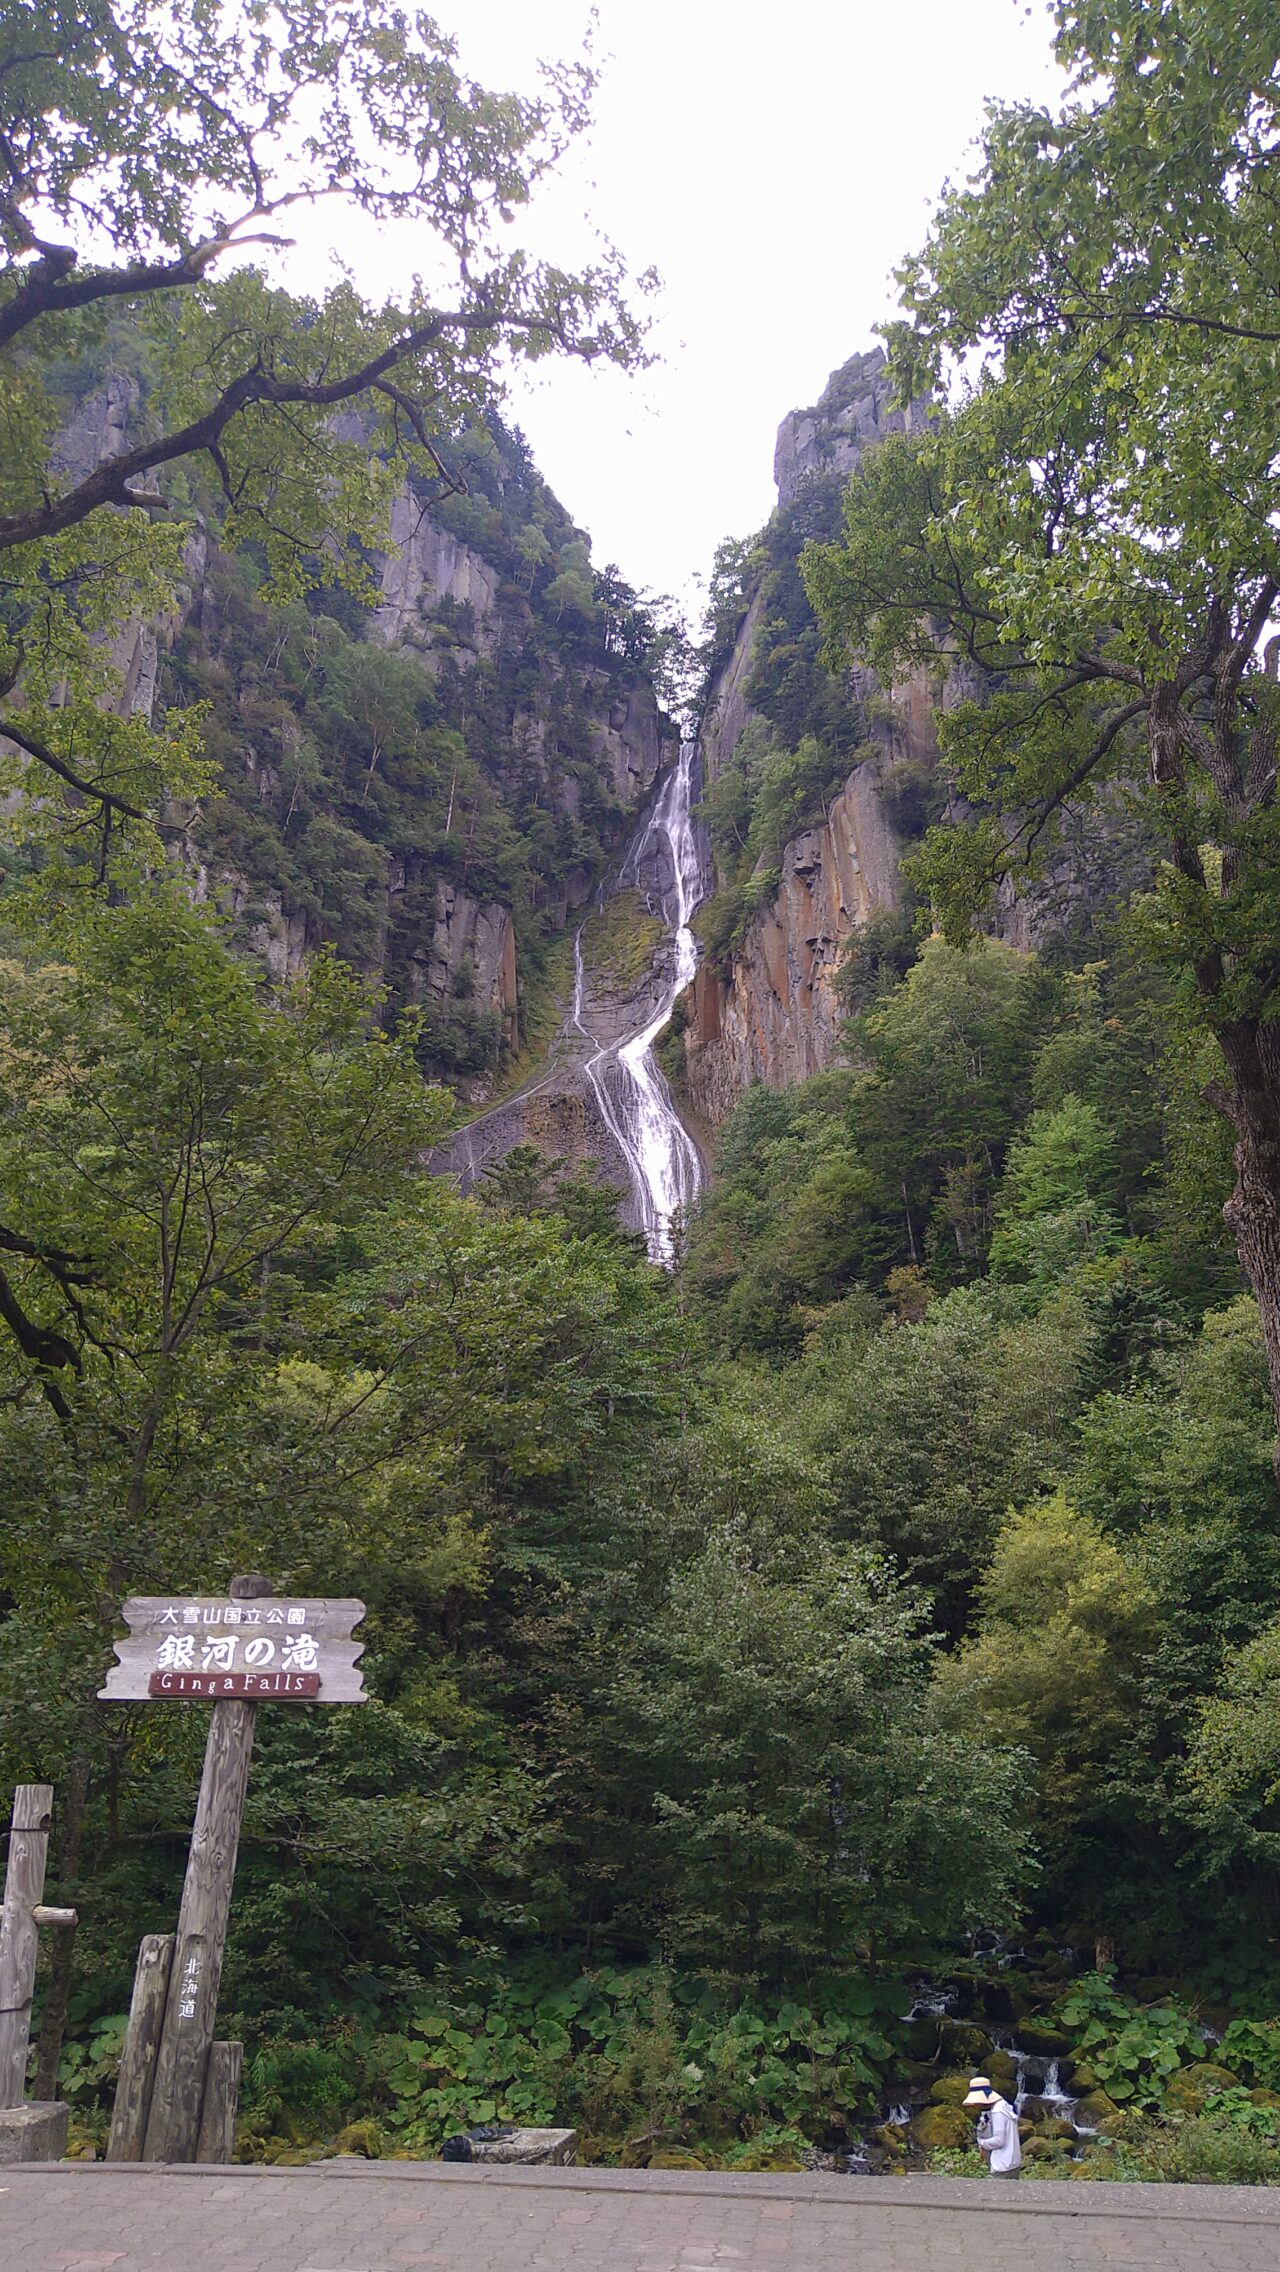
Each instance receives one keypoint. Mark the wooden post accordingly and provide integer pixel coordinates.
(23, 1886)
(221, 2098)
(177, 2097)
(142, 2038)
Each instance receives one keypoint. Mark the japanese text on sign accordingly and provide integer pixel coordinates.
(290, 1651)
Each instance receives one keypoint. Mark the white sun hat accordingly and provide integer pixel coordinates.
(980, 2092)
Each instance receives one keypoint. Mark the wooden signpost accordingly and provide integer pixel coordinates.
(35, 2131)
(176, 2095)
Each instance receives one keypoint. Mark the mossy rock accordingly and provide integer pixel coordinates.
(1079, 2076)
(941, 2126)
(920, 2040)
(890, 2138)
(950, 2090)
(1265, 2098)
(1097, 2110)
(1053, 2126)
(1003, 2072)
(1042, 2036)
(676, 2157)
(778, 2158)
(964, 2045)
(915, 2075)
(1186, 2092)
(359, 2138)
(1203, 2075)
(1042, 2149)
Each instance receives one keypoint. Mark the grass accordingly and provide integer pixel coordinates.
(620, 940)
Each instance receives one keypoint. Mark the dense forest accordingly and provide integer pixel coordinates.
(890, 1591)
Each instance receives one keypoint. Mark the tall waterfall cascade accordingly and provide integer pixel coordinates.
(630, 1089)
(602, 1058)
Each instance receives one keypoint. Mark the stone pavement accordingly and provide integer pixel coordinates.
(411, 2216)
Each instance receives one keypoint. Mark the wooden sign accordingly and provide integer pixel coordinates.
(287, 1651)
(176, 2094)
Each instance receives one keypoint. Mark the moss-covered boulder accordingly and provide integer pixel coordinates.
(359, 2138)
(1042, 2036)
(1187, 2091)
(1097, 2110)
(938, 2126)
(1053, 2126)
(1003, 2072)
(1042, 2150)
(1265, 2098)
(950, 2090)
(781, 2159)
(678, 2157)
(1078, 2076)
(964, 2045)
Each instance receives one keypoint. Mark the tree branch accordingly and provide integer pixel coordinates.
(108, 483)
(43, 755)
(1080, 773)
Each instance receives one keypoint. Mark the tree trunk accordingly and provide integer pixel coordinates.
(1252, 1213)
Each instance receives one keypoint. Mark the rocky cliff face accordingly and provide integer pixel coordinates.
(853, 412)
(773, 1015)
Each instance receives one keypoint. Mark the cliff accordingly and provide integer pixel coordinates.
(764, 1006)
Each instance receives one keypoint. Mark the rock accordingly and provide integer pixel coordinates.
(1054, 2127)
(856, 408)
(1039, 2149)
(1003, 2072)
(1186, 2092)
(964, 2045)
(676, 2157)
(777, 1017)
(760, 2158)
(523, 2144)
(1081, 2076)
(363, 2138)
(1097, 2111)
(951, 2090)
(922, 2039)
(1264, 2098)
(1041, 2035)
(941, 2126)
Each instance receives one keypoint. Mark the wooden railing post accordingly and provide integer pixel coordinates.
(23, 1886)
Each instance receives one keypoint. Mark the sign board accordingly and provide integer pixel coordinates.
(268, 1650)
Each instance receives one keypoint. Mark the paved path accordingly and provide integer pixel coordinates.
(409, 2217)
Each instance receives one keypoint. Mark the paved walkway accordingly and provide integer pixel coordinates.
(407, 2217)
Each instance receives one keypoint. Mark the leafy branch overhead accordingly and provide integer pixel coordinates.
(145, 157)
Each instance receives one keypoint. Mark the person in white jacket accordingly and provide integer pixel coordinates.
(997, 2130)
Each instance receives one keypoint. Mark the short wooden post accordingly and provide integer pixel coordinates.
(177, 2097)
(141, 2042)
(23, 1886)
(217, 2138)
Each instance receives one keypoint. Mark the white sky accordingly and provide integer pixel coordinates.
(773, 164)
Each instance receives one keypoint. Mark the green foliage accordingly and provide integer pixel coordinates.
(1089, 531)
(799, 1800)
(1132, 2052)
(1252, 2049)
(158, 144)
(1205, 2149)
(635, 2058)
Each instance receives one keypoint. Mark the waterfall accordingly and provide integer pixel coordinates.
(628, 1085)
